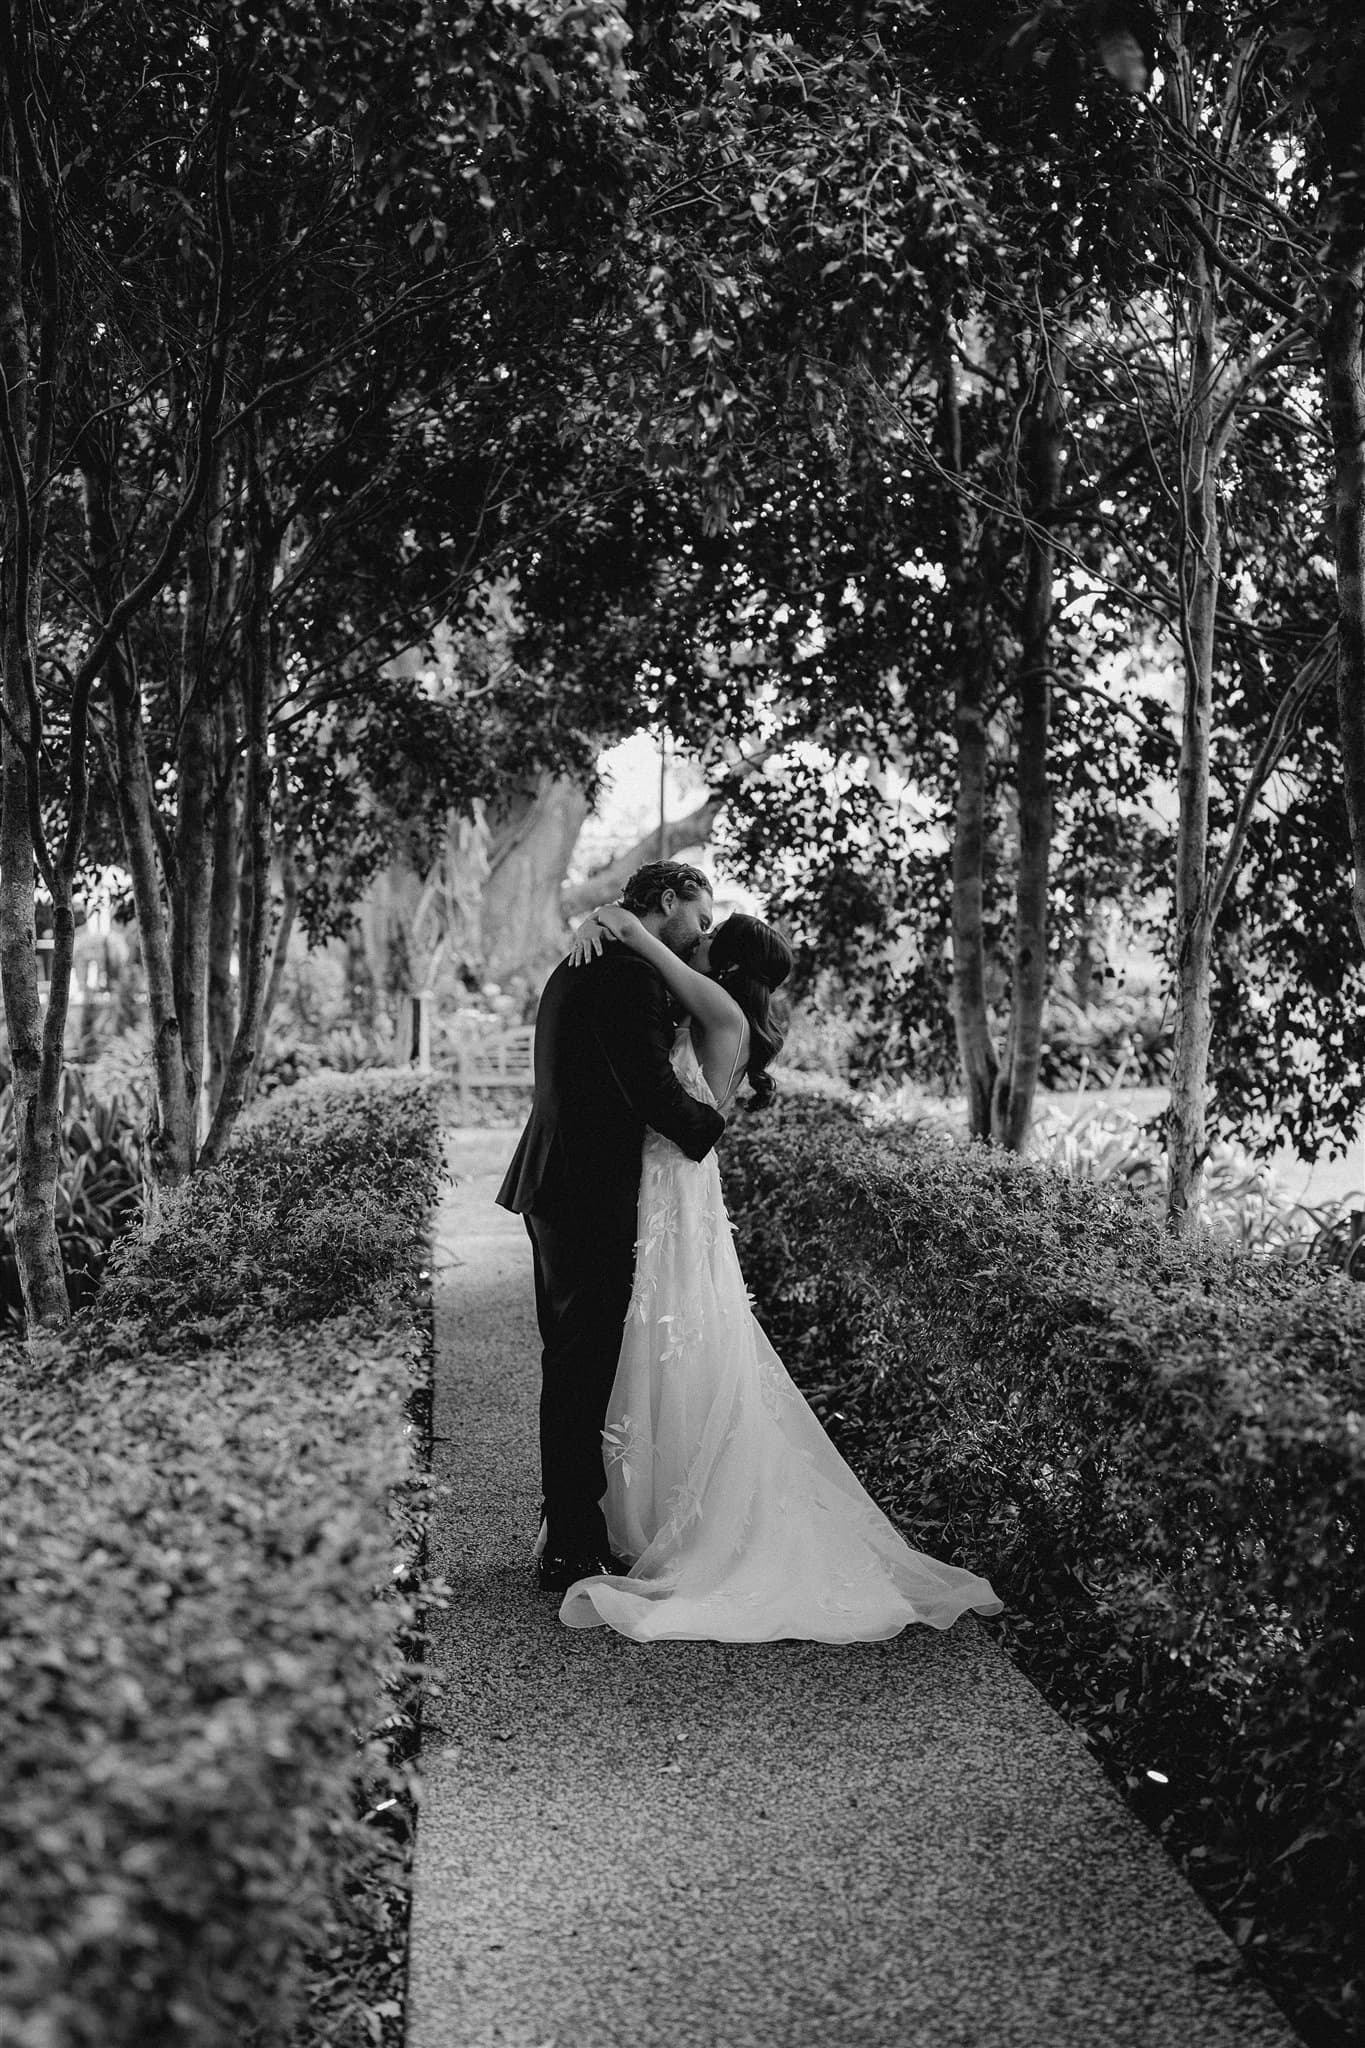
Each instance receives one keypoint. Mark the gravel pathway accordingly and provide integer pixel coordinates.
(697, 1845)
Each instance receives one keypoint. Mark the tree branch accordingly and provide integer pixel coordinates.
(402, 309)
(1288, 713)
(608, 881)
(210, 410)
(18, 71)
(1229, 266)
(31, 749)
(1267, 358)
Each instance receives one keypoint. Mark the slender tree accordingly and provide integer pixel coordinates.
(1326, 46)
(163, 323)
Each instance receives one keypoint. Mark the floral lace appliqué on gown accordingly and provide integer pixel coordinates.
(741, 1520)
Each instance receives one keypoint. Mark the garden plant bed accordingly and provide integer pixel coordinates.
(209, 1561)
(1152, 1447)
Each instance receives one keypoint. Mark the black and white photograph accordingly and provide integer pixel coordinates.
(682, 1024)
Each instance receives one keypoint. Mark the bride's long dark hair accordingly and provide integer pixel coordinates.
(749, 960)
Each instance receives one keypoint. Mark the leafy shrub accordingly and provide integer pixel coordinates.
(1153, 1448)
(287, 1058)
(196, 1567)
(1124, 1036)
(317, 1206)
(121, 1066)
(1338, 1240)
(1244, 1200)
(99, 1189)
(820, 1037)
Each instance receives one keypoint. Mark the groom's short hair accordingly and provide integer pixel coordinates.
(645, 889)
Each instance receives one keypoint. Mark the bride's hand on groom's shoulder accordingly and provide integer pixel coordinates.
(611, 921)
(588, 940)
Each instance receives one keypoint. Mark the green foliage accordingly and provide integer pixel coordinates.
(99, 1189)
(1339, 1241)
(410, 208)
(203, 1480)
(1244, 1202)
(1153, 1447)
(1120, 1037)
(317, 1209)
(288, 1057)
(1289, 996)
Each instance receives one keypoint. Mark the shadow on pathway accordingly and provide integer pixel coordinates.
(699, 1845)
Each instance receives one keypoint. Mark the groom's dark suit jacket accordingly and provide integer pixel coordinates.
(602, 1073)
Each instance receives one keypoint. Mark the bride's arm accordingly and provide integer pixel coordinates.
(701, 997)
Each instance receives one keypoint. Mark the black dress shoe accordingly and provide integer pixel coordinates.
(556, 1572)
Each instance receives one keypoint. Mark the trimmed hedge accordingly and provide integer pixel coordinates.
(1152, 1447)
(196, 1568)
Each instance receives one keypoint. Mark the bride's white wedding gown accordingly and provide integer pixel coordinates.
(740, 1520)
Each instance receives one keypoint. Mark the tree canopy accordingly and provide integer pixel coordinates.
(946, 419)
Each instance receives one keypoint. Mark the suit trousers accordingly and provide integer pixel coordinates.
(584, 1270)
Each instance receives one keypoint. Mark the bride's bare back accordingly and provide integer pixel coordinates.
(722, 1049)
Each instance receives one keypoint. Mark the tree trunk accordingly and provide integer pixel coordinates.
(1343, 357)
(192, 892)
(222, 994)
(1200, 568)
(1083, 960)
(36, 1065)
(971, 1021)
(170, 1150)
(36, 1077)
(381, 942)
(257, 822)
(1017, 1080)
(362, 990)
(284, 932)
(532, 845)
(976, 1053)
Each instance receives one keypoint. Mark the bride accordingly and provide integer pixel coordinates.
(740, 1520)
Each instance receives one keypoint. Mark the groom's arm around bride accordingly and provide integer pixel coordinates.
(602, 1075)
(603, 1072)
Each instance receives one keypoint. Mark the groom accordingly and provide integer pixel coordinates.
(602, 1072)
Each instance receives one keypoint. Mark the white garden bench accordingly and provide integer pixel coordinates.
(485, 1065)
